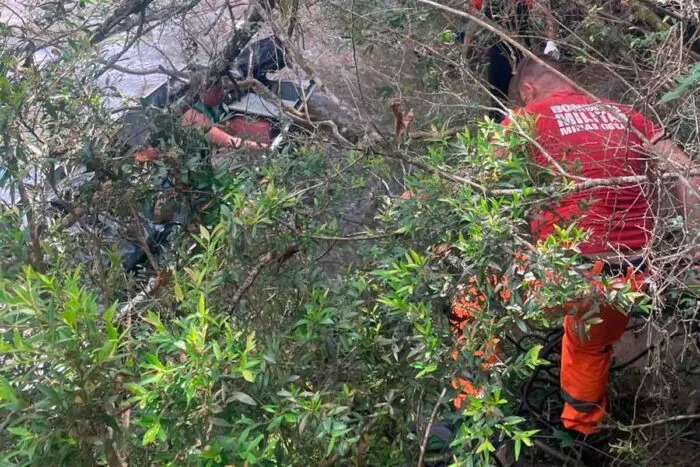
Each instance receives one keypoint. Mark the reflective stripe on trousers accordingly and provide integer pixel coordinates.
(585, 363)
(579, 406)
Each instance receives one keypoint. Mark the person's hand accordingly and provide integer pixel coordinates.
(551, 50)
(220, 138)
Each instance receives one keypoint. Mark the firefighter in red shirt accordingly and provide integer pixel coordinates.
(595, 139)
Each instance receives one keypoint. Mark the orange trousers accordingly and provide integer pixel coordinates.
(586, 356)
(585, 364)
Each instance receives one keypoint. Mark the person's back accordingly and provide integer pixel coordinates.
(593, 139)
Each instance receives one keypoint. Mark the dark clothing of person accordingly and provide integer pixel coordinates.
(503, 57)
(514, 17)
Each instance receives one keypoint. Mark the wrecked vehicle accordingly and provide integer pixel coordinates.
(229, 116)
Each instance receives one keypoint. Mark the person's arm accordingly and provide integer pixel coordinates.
(686, 189)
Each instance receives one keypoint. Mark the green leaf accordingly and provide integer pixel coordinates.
(201, 306)
(177, 290)
(21, 432)
(248, 376)
(512, 420)
(564, 438)
(250, 342)
(204, 233)
(685, 83)
(108, 315)
(151, 434)
(275, 423)
(244, 398)
(70, 317)
(217, 351)
(220, 422)
(485, 446)
(431, 367)
(8, 395)
(154, 320)
(136, 389)
(331, 445)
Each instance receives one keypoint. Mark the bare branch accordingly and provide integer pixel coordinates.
(426, 434)
(129, 7)
(663, 421)
(250, 278)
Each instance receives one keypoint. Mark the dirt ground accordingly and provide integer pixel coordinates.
(353, 75)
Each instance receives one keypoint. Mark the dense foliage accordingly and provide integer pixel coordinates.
(251, 347)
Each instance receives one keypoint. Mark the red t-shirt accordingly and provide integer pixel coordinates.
(588, 140)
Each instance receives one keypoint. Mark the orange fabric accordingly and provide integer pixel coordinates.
(193, 117)
(469, 300)
(467, 390)
(585, 364)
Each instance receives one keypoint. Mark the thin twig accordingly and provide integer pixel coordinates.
(587, 184)
(293, 18)
(292, 113)
(662, 421)
(158, 70)
(430, 169)
(250, 279)
(129, 7)
(35, 251)
(354, 55)
(141, 297)
(6, 422)
(114, 59)
(426, 434)
(556, 454)
(668, 441)
(415, 135)
(356, 238)
(615, 181)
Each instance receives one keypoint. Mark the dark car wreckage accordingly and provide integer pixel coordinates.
(231, 118)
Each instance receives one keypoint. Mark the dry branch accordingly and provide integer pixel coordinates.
(663, 421)
(356, 238)
(158, 70)
(426, 434)
(264, 260)
(239, 37)
(556, 454)
(128, 8)
(250, 279)
(140, 298)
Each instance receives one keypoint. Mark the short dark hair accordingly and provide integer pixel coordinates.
(531, 69)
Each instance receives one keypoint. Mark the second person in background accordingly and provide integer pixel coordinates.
(515, 16)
